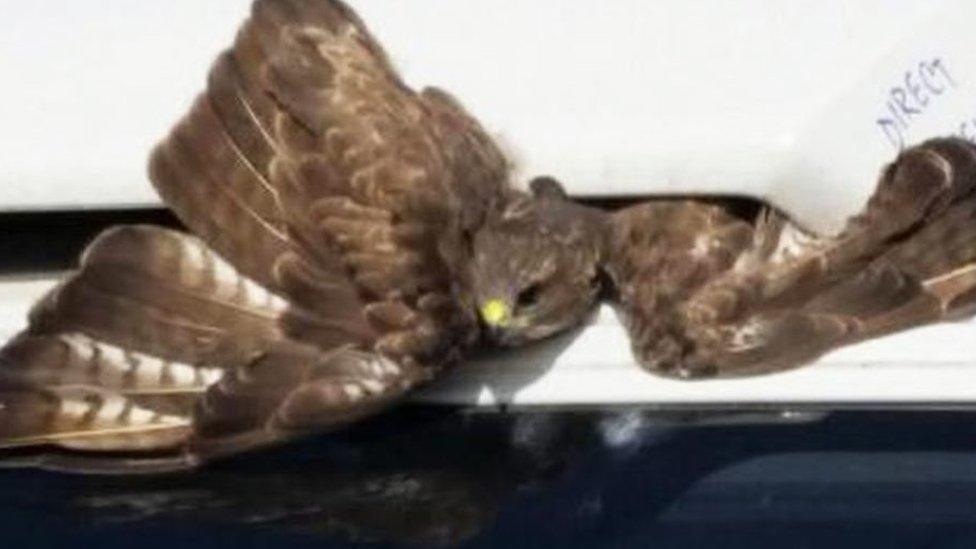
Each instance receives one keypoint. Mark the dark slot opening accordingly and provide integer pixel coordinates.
(739, 206)
(46, 241)
(35, 242)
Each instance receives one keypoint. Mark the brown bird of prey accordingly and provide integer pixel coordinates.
(350, 239)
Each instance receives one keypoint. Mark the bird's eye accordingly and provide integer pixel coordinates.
(529, 296)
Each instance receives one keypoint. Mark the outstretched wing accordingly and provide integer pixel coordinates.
(329, 205)
(907, 260)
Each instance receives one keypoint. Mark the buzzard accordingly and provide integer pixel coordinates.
(350, 239)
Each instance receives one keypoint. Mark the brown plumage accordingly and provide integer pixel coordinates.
(328, 204)
(351, 239)
(538, 256)
(706, 295)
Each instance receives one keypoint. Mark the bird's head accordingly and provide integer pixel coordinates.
(536, 265)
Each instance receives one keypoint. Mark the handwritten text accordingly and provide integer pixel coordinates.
(915, 94)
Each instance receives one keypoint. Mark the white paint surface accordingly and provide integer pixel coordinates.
(625, 96)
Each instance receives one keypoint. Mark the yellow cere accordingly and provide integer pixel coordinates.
(495, 312)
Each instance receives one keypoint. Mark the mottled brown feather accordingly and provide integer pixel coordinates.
(906, 260)
(315, 180)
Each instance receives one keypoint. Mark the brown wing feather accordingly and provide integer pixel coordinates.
(908, 259)
(333, 199)
(117, 356)
(661, 253)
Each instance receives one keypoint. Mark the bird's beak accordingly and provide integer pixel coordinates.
(496, 314)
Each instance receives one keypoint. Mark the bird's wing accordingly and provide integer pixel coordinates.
(908, 259)
(329, 205)
(659, 254)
